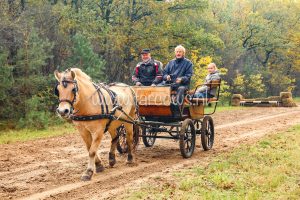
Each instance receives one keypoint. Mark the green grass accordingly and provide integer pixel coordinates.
(297, 99)
(269, 169)
(10, 136)
(221, 108)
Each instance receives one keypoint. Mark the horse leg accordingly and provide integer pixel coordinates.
(93, 156)
(87, 138)
(113, 146)
(99, 165)
(129, 139)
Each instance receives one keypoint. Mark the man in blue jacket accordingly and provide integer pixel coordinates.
(178, 72)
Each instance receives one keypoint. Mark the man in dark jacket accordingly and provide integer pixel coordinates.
(178, 72)
(148, 72)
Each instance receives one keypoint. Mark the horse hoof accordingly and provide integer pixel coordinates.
(87, 176)
(112, 162)
(112, 159)
(129, 162)
(129, 159)
(100, 168)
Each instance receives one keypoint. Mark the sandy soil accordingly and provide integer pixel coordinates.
(51, 168)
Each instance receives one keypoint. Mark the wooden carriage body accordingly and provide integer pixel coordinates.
(158, 102)
(153, 101)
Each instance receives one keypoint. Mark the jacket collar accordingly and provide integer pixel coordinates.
(178, 60)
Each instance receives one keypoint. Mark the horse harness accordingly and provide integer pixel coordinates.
(105, 113)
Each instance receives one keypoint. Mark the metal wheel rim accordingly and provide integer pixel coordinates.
(188, 139)
(122, 139)
(208, 134)
(150, 140)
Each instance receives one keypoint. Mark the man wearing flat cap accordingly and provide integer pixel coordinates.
(148, 72)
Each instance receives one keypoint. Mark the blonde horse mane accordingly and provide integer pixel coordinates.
(80, 74)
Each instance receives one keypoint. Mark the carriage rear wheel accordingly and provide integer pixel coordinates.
(122, 145)
(207, 133)
(149, 135)
(187, 138)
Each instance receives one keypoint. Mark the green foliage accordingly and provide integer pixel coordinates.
(33, 54)
(85, 58)
(6, 78)
(7, 81)
(250, 87)
(259, 40)
(243, 26)
(225, 94)
(37, 114)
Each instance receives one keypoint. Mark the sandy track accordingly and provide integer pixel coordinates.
(51, 168)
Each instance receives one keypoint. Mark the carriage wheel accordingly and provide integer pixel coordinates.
(187, 138)
(122, 146)
(149, 141)
(207, 133)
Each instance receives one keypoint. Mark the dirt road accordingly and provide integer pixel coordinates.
(51, 168)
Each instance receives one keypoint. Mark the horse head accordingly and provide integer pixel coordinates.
(66, 90)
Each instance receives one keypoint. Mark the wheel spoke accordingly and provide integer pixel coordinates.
(187, 145)
(208, 141)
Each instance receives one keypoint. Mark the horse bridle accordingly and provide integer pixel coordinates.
(65, 85)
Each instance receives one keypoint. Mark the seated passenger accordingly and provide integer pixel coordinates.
(148, 72)
(179, 72)
(205, 91)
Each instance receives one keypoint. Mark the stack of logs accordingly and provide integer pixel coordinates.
(285, 99)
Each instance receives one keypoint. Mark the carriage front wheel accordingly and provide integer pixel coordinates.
(122, 146)
(187, 138)
(207, 133)
(149, 136)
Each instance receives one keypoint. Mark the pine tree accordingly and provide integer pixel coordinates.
(30, 82)
(6, 81)
(84, 57)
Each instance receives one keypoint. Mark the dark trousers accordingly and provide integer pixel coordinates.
(180, 94)
(180, 91)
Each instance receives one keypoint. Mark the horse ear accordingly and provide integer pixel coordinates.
(57, 75)
(73, 74)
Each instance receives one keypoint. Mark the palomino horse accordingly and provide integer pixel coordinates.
(89, 106)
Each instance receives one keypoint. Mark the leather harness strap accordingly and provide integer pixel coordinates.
(91, 117)
(100, 98)
(108, 115)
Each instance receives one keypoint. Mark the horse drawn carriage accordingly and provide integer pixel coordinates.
(157, 118)
(81, 100)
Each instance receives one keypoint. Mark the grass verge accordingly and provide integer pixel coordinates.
(269, 169)
(10, 136)
(297, 99)
(221, 108)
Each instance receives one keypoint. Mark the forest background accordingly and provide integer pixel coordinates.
(255, 43)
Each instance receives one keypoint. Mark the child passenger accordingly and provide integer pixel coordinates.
(204, 91)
